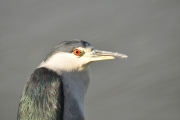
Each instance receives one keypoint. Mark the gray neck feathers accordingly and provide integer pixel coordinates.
(75, 86)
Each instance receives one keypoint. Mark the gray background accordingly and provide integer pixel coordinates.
(146, 86)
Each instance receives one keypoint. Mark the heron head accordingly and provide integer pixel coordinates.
(77, 55)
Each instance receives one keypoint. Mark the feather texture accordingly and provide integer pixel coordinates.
(42, 97)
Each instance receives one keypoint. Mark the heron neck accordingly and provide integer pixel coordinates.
(75, 86)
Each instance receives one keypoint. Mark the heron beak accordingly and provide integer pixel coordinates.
(97, 55)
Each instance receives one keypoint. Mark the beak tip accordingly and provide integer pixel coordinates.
(126, 56)
(122, 56)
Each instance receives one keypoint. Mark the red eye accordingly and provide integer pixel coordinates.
(77, 52)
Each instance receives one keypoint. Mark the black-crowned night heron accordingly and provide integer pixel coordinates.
(56, 89)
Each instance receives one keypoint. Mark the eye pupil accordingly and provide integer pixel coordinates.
(77, 52)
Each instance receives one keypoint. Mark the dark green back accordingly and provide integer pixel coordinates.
(42, 97)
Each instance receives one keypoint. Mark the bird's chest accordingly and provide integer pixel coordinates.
(75, 86)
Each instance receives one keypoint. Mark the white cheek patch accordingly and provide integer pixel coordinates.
(63, 61)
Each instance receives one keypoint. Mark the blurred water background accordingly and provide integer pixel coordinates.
(146, 86)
